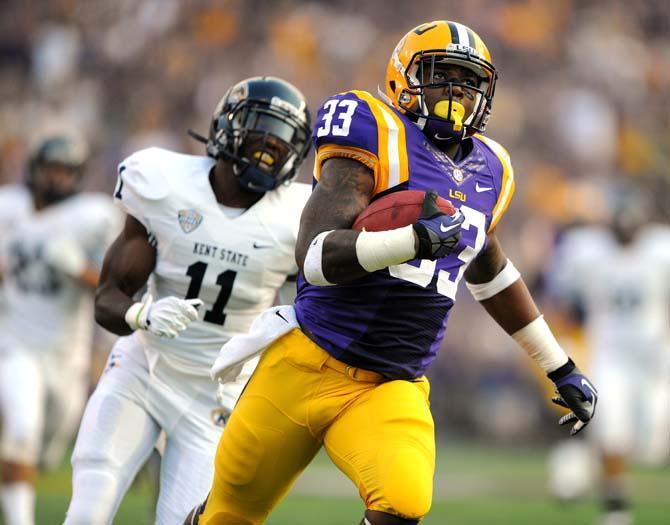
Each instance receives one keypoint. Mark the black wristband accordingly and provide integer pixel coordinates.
(562, 371)
(425, 250)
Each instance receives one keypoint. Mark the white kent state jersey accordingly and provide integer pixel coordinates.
(625, 290)
(46, 310)
(233, 264)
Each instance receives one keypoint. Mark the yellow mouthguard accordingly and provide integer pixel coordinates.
(457, 112)
(264, 157)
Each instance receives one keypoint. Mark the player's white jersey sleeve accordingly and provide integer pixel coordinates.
(15, 205)
(103, 223)
(140, 188)
(233, 264)
(46, 309)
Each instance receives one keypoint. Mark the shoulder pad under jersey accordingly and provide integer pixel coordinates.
(359, 126)
(143, 178)
(506, 185)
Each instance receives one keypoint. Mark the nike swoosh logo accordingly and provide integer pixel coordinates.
(260, 246)
(588, 385)
(480, 189)
(437, 137)
(445, 229)
(281, 316)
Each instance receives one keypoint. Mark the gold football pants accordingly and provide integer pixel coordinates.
(379, 433)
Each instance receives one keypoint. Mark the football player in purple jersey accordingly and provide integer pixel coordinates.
(347, 370)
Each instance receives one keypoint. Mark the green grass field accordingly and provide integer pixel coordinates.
(474, 486)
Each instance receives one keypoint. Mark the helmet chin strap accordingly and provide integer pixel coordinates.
(447, 126)
(252, 178)
(442, 132)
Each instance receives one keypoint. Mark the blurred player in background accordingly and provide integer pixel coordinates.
(213, 237)
(617, 283)
(52, 239)
(372, 307)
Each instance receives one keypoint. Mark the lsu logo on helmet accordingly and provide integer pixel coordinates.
(413, 60)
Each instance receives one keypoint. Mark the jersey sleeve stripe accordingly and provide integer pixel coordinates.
(332, 150)
(392, 145)
(508, 185)
(504, 200)
(381, 177)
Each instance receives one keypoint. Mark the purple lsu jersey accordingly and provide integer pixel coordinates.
(392, 321)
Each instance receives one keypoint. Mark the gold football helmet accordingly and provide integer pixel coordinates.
(412, 64)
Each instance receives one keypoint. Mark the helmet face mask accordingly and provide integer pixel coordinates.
(262, 126)
(411, 71)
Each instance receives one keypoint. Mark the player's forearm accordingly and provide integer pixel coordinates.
(111, 305)
(339, 261)
(513, 307)
(515, 311)
(497, 285)
(333, 255)
(341, 256)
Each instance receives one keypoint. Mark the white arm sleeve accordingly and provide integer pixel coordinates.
(312, 268)
(508, 276)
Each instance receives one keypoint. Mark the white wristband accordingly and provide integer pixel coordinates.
(134, 316)
(507, 276)
(540, 344)
(312, 268)
(377, 250)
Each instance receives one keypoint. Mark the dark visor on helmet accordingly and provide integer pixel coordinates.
(259, 118)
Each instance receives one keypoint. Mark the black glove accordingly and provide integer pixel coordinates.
(577, 393)
(437, 231)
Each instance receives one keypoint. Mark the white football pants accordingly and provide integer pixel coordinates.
(132, 403)
(41, 399)
(633, 412)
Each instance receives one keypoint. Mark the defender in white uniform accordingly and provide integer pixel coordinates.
(213, 237)
(51, 242)
(620, 279)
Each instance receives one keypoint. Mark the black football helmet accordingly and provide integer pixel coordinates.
(63, 151)
(262, 125)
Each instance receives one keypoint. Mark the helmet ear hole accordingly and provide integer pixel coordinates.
(392, 85)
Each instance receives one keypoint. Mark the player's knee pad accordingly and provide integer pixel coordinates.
(407, 485)
(373, 517)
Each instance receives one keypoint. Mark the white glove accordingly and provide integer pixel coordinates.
(165, 318)
(66, 255)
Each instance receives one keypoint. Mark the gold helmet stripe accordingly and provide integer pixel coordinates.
(463, 36)
(474, 43)
(455, 36)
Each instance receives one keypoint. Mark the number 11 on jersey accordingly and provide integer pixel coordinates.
(225, 280)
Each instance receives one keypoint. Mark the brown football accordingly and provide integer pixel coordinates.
(396, 210)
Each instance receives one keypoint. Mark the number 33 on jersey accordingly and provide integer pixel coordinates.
(231, 260)
(359, 126)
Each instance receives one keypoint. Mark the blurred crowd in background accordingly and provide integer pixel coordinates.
(582, 105)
